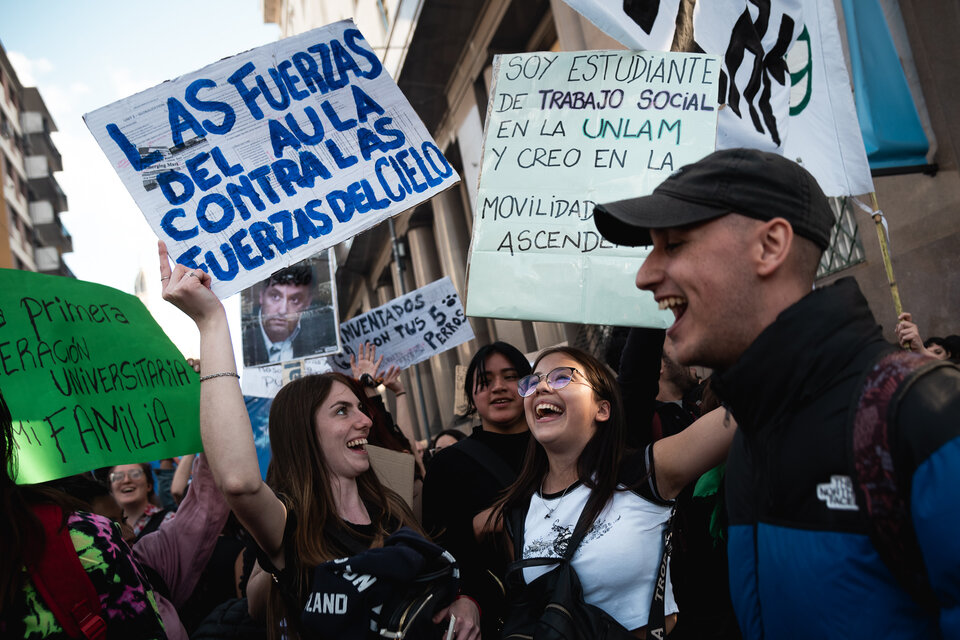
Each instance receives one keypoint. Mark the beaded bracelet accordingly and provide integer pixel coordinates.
(220, 375)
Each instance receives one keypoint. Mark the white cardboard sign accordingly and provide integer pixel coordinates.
(408, 329)
(262, 159)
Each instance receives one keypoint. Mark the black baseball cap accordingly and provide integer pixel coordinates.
(753, 183)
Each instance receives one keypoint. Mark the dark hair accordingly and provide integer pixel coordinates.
(477, 369)
(298, 473)
(598, 466)
(298, 274)
(21, 534)
(952, 344)
(456, 434)
(83, 486)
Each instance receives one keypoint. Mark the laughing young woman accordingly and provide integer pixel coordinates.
(328, 501)
(576, 464)
(132, 487)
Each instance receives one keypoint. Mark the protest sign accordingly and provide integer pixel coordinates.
(90, 378)
(565, 131)
(259, 411)
(408, 329)
(262, 159)
(291, 314)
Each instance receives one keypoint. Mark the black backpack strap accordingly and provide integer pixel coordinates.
(156, 581)
(488, 459)
(876, 480)
(656, 620)
(153, 523)
(514, 521)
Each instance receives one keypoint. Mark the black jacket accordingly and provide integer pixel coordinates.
(803, 565)
(456, 488)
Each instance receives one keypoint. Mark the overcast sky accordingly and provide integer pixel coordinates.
(84, 55)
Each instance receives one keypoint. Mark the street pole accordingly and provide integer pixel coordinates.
(397, 258)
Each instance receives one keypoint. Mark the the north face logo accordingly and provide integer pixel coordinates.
(838, 493)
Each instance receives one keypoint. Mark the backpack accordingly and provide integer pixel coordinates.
(408, 612)
(552, 607)
(61, 581)
(406, 609)
(875, 478)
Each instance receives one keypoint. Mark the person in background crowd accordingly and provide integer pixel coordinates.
(164, 472)
(908, 335)
(128, 606)
(937, 348)
(675, 409)
(577, 464)
(328, 500)
(181, 477)
(952, 346)
(174, 557)
(441, 441)
(466, 478)
(132, 486)
(737, 238)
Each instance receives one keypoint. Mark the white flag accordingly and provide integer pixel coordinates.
(825, 133)
(754, 38)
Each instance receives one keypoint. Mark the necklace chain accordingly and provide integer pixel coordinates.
(546, 506)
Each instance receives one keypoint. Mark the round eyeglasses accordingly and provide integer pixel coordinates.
(133, 474)
(556, 379)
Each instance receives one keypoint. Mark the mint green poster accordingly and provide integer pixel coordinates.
(90, 378)
(565, 131)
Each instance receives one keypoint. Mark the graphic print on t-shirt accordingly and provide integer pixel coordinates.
(554, 544)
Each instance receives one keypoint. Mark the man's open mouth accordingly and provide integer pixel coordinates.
(676, 304)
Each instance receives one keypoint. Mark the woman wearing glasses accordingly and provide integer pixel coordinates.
(132, 487)
(576, 464)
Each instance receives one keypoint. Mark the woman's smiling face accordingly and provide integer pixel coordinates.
(128, 483)
(495, 396)
(564, 420)
(342, 429)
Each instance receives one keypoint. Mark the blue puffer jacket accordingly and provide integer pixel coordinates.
(802, 564)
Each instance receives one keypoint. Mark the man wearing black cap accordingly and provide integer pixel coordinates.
(842, 479)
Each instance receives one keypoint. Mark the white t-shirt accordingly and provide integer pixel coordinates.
(619, 558)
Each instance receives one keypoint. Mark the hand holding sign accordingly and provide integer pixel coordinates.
(367, 363)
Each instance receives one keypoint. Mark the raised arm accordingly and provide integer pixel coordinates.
(682, 458)
(224, 424)
(367, 363)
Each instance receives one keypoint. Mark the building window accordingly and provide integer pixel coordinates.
(846, 248)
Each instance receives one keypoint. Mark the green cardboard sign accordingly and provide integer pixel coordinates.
(90, 378)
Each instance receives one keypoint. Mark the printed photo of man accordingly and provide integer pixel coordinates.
(287, 321)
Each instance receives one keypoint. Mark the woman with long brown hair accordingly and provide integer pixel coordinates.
(323, 499)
